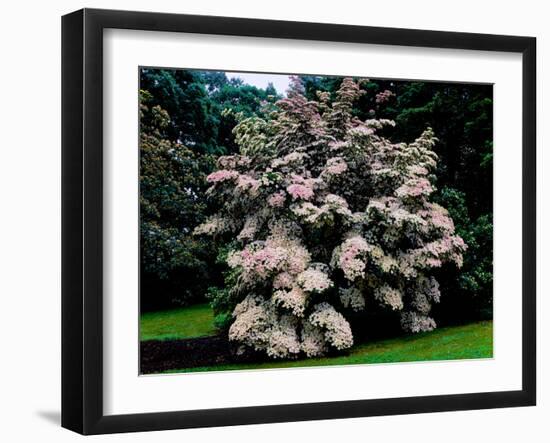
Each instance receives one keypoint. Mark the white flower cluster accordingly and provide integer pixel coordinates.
(314, 280)
(313, 340)
(212, 226)
(293, 157)
(389, 296)
(294, 300)
(351, 257)
(336, 329)
(258, 325)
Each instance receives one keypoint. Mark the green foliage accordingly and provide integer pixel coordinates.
(477, 274)
(185, 99)
(196, 101)
(312, 84)
(472, 287)
(223, 321)
(171, 179)
(186, 120)
(222, 299)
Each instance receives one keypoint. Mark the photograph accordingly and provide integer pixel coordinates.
(294, 220)
(246, 222)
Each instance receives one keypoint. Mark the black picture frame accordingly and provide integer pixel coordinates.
(82, 219)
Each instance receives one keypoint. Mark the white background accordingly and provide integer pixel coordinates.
(30, 222)
(126, 393)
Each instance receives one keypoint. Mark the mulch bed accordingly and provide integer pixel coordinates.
(163, 355)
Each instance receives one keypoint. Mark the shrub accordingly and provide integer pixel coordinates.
(324, 217)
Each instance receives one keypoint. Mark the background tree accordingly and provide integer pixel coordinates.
(186, 120)
(175, 266)
(182, 94)
(196, 100)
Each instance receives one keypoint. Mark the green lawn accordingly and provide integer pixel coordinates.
(460, 342)
(193, 321)
(474, 340)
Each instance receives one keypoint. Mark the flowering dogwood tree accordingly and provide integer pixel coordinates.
(327, 216)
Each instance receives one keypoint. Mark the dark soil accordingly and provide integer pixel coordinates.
(163, 355)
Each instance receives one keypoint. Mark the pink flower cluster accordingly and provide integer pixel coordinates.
(418, 170)
(414, 188)
(222, 175)
(277, 200)
(438, 218)
(258, 263)
(298, 259)
(447, 248)
(337, 145)
(247, 183)
(335, 166)
(384, 96)
(352, 258)
(284, 280)
(298, 191)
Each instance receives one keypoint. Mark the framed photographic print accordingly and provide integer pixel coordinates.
(270, 221)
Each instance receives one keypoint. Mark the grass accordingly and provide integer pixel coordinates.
(470, 341)
(190, 322)
(452, 343)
